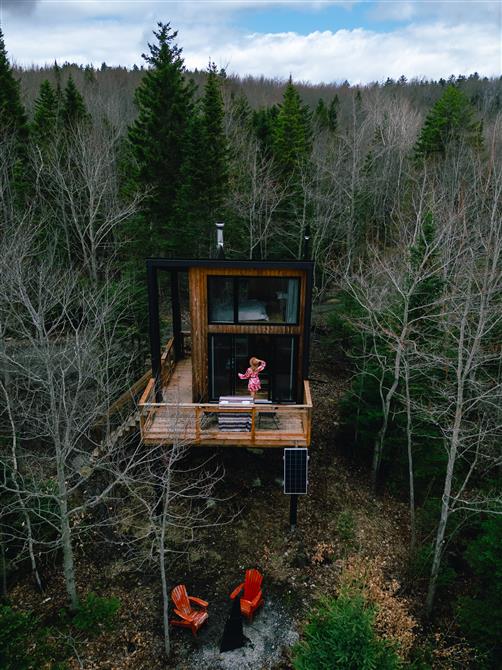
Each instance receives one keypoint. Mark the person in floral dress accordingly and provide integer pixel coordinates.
(252, 373)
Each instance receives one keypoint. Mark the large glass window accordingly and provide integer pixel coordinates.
(221, 299)
(230, 354)
(273, 300)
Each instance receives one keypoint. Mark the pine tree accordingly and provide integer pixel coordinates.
(264, 121)
(74, 110)
(450, 121)
(192, 202)
(216, 145)
(333, 114)
(326, 117)
(321, 115)
(292, 132)
(156, 138)
(12, 115)
(45, 119)
(13, 125)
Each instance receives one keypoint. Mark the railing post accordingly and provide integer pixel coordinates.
(197, 424)
(253, 424)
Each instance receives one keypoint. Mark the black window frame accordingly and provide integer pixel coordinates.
(272, 381)
(236, 291)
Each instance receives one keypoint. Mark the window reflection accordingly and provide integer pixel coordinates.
(271, 300)
(221, 299)
(268, 299)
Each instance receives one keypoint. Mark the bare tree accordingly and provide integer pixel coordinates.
(257, 193)
(162, 503)
(77, 182)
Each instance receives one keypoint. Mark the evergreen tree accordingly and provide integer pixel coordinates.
(321, 115)
(74, 110)
(216, 145)
(192, 202)
(13, 125)
(333, 114)
(326, 117)
(264, 123)
(292, 132)
(45, 119)
(164, 100)
(12, 115)
(450, 121)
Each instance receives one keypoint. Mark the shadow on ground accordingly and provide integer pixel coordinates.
(271, 631)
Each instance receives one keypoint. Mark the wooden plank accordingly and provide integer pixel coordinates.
(147, 392)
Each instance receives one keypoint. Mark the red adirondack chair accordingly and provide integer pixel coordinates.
(189, 617)
(252, 597)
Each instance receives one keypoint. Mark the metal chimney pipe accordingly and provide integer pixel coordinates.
(220, 252)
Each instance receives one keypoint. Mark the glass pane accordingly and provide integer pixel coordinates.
(285, 369)
(220, 366)
(220, 292)
(268, 299)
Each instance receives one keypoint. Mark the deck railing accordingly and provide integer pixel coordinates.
(198, 422)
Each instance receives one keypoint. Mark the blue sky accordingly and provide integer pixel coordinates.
(316, 41)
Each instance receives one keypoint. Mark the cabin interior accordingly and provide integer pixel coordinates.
(237, 309)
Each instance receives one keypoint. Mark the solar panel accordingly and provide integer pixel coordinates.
(295, 471)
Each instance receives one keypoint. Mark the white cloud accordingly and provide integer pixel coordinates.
(451, 11)
(117, 32)
(360, 55)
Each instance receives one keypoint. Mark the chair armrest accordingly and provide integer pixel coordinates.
(198, 601)
(236, 591)
(185, 617)
(256, 599)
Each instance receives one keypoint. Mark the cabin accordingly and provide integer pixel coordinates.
(237, 309)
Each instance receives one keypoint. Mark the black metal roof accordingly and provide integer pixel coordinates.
(184, 264)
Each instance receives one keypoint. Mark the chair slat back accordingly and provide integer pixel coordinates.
(179, 596)
(252, 583)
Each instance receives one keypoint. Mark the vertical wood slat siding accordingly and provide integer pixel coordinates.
(197, 278)
(198, 317)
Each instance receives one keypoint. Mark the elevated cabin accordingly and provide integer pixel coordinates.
(238, 309)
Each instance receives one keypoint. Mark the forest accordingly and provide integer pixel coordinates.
(397, 560)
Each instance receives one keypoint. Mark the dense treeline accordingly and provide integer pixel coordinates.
(398, 186)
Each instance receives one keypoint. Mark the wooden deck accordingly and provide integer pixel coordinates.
(178, 420)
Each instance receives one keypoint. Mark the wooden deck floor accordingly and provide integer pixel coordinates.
(177, 422)
(179, 387)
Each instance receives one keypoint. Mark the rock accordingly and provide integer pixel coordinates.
(300, 560)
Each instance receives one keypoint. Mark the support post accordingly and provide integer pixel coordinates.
(293, 510)
(175, 301)
(154, 327)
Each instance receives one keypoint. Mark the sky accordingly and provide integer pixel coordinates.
(320, 41)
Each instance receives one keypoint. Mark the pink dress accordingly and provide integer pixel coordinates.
(254, 380)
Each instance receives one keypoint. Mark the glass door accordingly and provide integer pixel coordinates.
(230, 354)
(284, 377)
(221, 366)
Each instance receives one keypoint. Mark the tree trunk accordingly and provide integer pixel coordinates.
(409, 443)
(68, 558)
(162, 565)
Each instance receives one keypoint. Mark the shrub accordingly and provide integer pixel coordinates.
(24, 644)
(480, 614)
(340, 635)
(346, 527)
(94, 613)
